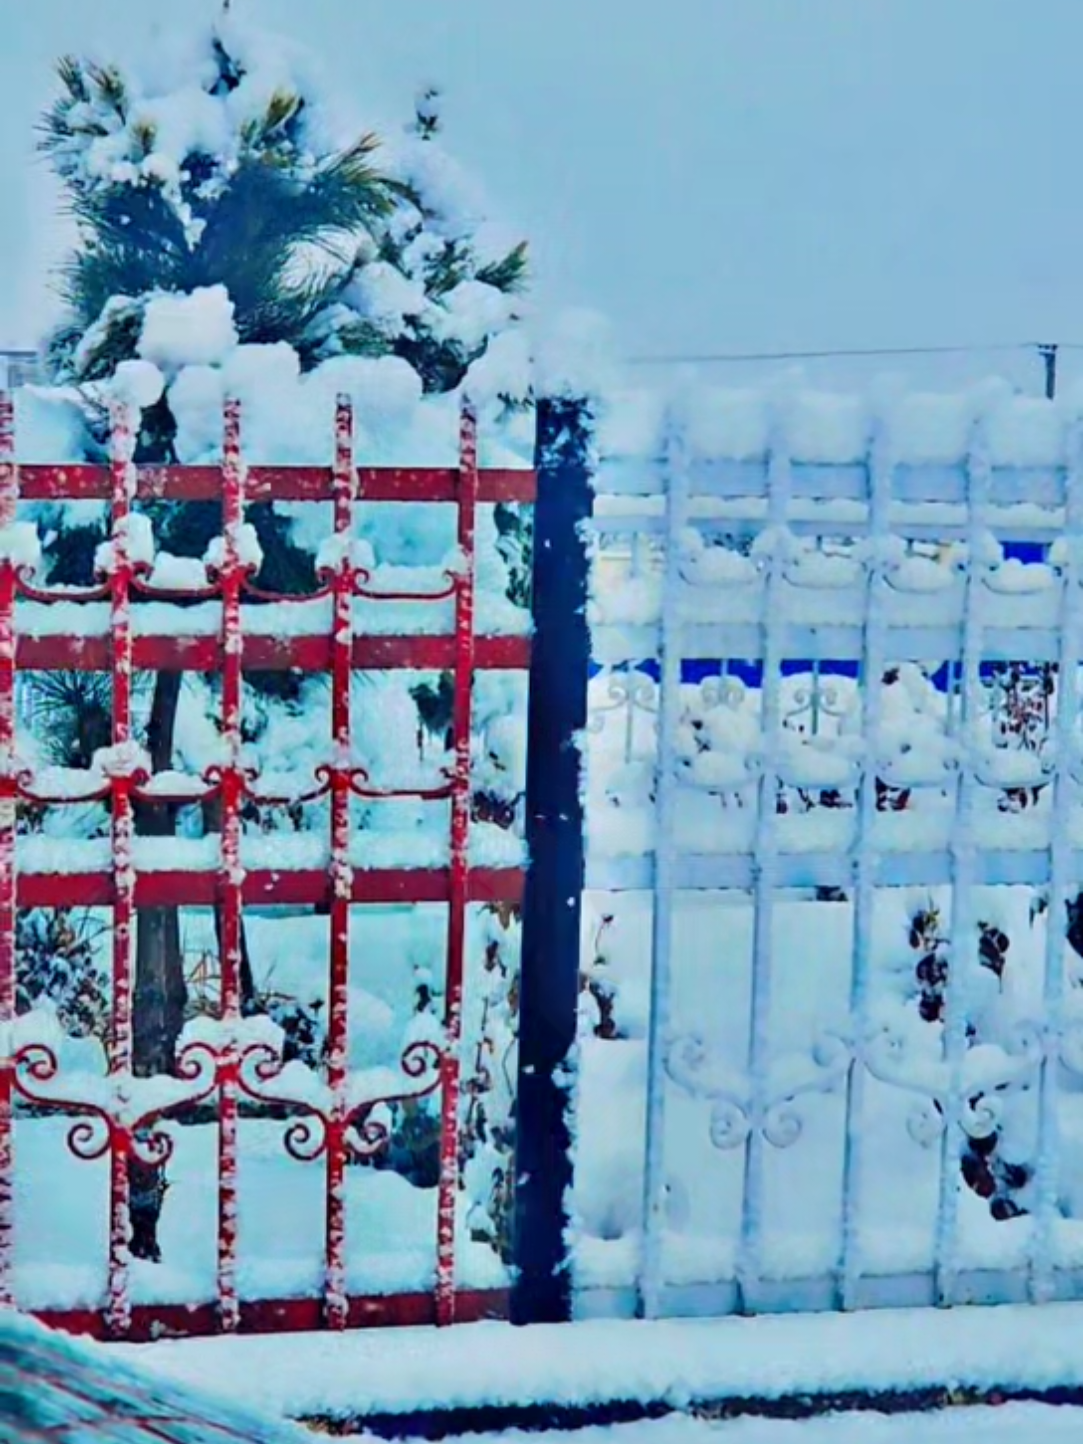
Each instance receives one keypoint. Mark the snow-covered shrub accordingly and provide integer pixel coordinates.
(597, 983)
(57, 963)
(984, 1167)
(490, 1054)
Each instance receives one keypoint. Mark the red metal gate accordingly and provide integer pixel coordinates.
(226, 1067)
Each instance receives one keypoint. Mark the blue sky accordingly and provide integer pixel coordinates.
(713, 175)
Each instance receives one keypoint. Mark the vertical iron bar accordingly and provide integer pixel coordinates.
(120, 1039)
(963, 849)
(9, 491)
(1047, 1171)
(651, 1279)
(749, 1264)
(460, 865)
(865, 860)
(336, 1304)
(631, 677)
(557, 717)
(231, 876)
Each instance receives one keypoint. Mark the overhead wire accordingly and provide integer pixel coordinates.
(831, 353)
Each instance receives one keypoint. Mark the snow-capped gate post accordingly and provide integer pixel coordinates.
(554, 887)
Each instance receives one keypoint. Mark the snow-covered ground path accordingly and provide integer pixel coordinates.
(493, 1369)
(1009, 1424)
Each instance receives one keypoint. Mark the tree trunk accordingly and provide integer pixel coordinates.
(212, 822)
(160, 993)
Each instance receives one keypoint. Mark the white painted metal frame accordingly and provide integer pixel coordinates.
(1066, 757)
(964, 848)
(669, 706)
(749, 1264)
(865, 862)
(779, 499)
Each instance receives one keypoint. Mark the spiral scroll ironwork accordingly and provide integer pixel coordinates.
(111, 1125)
(329, 1123)
(738, 1107)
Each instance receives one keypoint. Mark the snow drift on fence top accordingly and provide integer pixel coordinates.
(832, 428)
(288, 416)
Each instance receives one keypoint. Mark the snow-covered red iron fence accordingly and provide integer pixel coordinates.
(138, 1205)
(833, 958)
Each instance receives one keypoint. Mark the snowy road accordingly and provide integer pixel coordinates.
(1010, 1424)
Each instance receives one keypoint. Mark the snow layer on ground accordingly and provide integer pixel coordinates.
(400, 1371)
(1007, 1425)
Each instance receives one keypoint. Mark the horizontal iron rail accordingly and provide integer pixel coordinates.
(735, 871)
(152, 1322)
(271, 483)
(70, 652)
(311, 887)
(911, 483)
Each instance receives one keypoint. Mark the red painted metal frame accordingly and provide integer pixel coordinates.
(8, 495)
(228, 1070)
(460, 867)
(150, 1322)
(231, 783)
(271, 483)
(266, 653)
(267, 887)
(335, 1301)
(123, 829)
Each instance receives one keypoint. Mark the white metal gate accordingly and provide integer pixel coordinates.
(834, 865)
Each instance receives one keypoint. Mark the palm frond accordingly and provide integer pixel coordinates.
(230, 71)
(59, 349)
(144, 133)
(274, 124)
(510, 274)
(289, 309)
(440, 364)
(72, 76)
(113, 337)
(73, 713)
(133, 243)
(56, 127)
(256, 233)
(281, 237)
(91, 278)
(448, 269)
(360, 337)
(76, 114)
(109, 87)
(133, 218)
